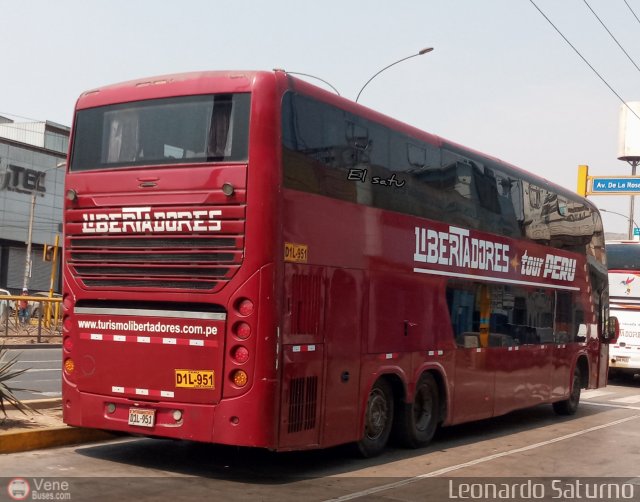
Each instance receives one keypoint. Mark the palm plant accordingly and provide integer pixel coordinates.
(7, 373)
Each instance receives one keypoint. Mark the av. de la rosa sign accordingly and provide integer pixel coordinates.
(626, 185)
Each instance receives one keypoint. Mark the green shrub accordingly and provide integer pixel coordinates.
(7, 373)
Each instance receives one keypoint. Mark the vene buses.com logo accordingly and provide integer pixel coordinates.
(39, 489)
(18, 489)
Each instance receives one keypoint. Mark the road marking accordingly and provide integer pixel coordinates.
(47, 361)
(590, 394)
(627, 400)
(51, 394)
(37, 370)
(488, 458)
(608, 405)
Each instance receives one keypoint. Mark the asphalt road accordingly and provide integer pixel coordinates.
(43, 375)
(599, 445)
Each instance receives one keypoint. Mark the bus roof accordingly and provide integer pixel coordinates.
(204, 82)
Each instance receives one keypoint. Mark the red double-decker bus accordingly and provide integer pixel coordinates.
(251, 260)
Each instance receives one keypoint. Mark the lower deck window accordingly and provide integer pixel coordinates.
(502, 315)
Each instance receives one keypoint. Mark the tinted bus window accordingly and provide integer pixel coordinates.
(623, 256)
(162, 131)
(332, 152)
(518, 315)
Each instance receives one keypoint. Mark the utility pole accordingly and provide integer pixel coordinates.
(629, 145)
(27, 260)
(634, 164)
(34, 194)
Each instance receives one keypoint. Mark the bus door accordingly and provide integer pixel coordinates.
(302, 355)
(343, 331)
(524, 373)
(473, 394)
(522, 346)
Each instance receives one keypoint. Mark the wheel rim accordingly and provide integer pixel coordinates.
(422, 409)
(377, 414)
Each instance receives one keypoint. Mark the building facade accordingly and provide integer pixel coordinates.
(32, 167)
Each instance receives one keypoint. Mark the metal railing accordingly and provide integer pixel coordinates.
(44, 319)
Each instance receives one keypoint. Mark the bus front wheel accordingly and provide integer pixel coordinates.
(377, 420)
(570, 406)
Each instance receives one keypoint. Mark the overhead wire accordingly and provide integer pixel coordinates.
(4, 114)
(584, 60)
(632, 12)
(611, 35)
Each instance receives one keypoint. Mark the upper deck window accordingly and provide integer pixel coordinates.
(335, 153)
(182, 130)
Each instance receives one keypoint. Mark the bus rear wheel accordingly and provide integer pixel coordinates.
(378, 420)
(417, 422)
(570, 406)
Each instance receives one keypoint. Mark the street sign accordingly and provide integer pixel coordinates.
(629, 185)
(636, 232)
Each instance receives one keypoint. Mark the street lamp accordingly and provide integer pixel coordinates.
(632, 222)
(420, 53)
(307, 75)
(27, 261)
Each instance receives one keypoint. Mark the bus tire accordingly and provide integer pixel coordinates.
(416, 422)
(570, 406)
(614, 373)
(378, 419)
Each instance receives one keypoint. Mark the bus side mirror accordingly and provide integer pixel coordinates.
(612, 330)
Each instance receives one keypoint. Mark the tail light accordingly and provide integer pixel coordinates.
(242, 330)
(240, 354)
(239, 378)
(69, 366)
(243, 319)
(245, 307)
(67, 343)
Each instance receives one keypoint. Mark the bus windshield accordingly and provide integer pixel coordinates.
(179, 130)
(623, 256)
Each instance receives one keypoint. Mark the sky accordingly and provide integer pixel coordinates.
(500, 79)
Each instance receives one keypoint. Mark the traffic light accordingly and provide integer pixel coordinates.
(48, 252)
(583, 177)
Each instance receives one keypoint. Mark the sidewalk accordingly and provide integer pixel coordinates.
(42, 428)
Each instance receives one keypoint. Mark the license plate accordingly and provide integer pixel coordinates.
(622, 359)
(195, 379)
(296, 253)
(142, 417)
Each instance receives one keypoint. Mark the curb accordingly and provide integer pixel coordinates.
(34, 346)
(40, 404)
(50, 437)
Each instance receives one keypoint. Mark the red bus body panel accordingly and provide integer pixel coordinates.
(359, 305)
